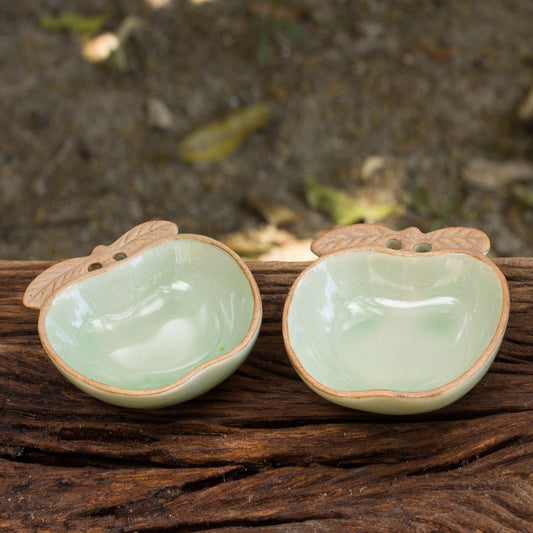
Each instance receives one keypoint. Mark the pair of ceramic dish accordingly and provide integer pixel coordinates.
(384, 321)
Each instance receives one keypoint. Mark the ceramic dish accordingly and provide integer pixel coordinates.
(154, 319)
(396, 322)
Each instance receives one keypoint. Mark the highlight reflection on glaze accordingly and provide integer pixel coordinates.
(369, 320)
(148, 322)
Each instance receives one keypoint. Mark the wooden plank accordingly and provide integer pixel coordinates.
(262, 450)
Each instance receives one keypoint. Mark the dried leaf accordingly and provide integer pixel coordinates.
(73, 22)
(273, 213)
(257, 241)
(344, 209)
(219, 139)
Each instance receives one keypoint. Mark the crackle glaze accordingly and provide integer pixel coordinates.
(156, 326)
(395, 331)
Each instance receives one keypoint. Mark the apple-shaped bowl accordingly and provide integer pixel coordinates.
(152, 320)
(396, 322)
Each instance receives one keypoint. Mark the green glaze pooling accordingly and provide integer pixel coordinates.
(370, 320)
(149, 321)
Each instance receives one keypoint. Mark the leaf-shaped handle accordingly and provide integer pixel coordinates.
(137, 237)
(455, 239)
(135, 241)
(52, 279)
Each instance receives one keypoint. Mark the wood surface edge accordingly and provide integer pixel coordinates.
(337, 471)
(45, 263)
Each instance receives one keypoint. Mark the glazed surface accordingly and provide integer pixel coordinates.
(369, 320)
(151, 320)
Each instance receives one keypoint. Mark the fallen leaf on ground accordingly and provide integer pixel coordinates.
(73, 22)
(491, 175)
(344, 209)
(273, 213)
(219, 139)
(257, 241)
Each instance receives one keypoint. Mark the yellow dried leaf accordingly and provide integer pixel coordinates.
(273, 213)
(256, 241)
(219, 139)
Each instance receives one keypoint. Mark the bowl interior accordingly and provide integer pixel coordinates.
(149, 321)
(370, 320)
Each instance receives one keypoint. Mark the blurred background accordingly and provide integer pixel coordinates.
(263, 123)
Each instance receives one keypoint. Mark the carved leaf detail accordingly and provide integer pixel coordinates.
(457, 239)
(57, 276)
(347, 237)
(52, 279)
(153, 231)
(460, 239)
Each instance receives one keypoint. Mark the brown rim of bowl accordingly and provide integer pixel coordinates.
(389, 393)
(254, 325)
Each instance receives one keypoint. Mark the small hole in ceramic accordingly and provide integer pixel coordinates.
(94, 266)
(119, 256)
(393, 244)
(423, 248)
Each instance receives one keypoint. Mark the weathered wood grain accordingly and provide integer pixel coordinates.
(261, 450)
